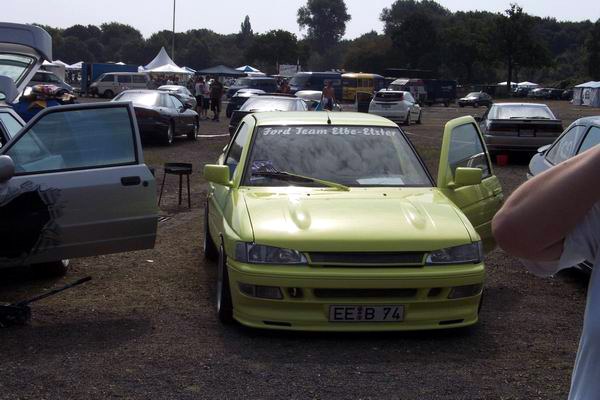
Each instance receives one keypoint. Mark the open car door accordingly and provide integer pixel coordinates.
(466, 177)
(78, 186)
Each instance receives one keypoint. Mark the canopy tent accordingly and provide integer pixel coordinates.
(58, 62)
(256, 74)
(220, 70)
(193, 71)
(58, 68)
(247, 68)
(169, 69)
(504, 83)
(587, 94)
(528, 85)
(162, 58)
(77, 65)
(120, 63)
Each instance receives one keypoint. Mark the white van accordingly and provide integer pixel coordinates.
(112, 83)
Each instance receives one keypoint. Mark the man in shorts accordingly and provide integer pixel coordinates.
(216, 93)
(328, 97)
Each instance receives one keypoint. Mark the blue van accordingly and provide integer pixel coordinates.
(316, 81)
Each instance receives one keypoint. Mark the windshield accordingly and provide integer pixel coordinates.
(299, 80)
(270, 104)
(143, 99)
(473, 94)
(359, 156)
(521, 112)
(242, 82)
(15, 66)
(389, 96)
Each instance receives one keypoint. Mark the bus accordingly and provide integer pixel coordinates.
(353, 83)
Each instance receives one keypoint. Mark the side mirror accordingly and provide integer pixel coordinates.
(467, 177)
(218, 174)
(7, 168)
(543, 149)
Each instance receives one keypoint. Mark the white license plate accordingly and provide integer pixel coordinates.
(342, 313)
(526, 132)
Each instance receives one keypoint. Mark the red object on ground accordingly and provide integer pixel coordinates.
(502, 160)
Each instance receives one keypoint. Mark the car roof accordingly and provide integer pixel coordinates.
(320, 118)
(124, 73)
(392, 91)
(171, 87)
(361, 75)
(593, 120)
(519, 104)
(144, 91)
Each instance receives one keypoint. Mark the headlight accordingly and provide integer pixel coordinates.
(466, 254)
(261, 254)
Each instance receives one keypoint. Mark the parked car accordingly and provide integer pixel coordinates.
(538, 93)
(49, 78)
(264, 83)
(112, 83)
(316, 81)
(567, 95)
(546, 93)
(64, 172)
(264, 103)
(331, 222)
(581, 135)
(475, 99)
(182, 93)
(161, 115)
(239, 98)
(398, 106)
(519, 126)
(522, 91)
(313, 98)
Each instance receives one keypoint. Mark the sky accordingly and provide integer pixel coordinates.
(225, 16)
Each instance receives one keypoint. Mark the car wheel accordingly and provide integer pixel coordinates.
(168, 139)
(476, 105)
(419, 120)
(109, 94)
(53, 269)
(224, 303)
(193, 135)
(407, 120)
(210, 248)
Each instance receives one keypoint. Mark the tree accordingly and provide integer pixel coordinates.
(325, 22)
(592, 47)
(246, 34)
(369, 52)
(273, 48)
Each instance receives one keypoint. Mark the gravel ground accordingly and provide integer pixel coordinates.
(145, 326)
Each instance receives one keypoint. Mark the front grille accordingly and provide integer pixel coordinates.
(376, 259)
(364, 293)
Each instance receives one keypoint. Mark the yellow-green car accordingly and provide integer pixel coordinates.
(331, 222)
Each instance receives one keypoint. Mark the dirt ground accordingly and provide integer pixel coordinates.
(145, 326)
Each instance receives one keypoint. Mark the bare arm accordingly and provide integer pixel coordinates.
(535, 219)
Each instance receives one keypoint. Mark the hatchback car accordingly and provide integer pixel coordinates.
(476, 99)
(260, 103)
(330, 221)
(396, 105)
(49, 78)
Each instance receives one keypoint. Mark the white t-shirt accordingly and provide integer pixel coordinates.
(580, 245)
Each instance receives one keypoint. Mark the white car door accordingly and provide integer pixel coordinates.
(79, 187)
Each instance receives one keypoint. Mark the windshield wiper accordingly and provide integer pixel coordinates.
(288, 176)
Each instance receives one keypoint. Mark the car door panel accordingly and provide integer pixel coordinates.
(463, 146)
(64, 205)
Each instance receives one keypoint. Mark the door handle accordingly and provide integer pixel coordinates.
(131, 180)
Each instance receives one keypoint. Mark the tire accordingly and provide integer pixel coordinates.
(168, 138)
(407, 120)
(109, 94)
(193, 135)
(475, 105)
(224, 303)
(210, 248)
(419, 120)
(53, 269)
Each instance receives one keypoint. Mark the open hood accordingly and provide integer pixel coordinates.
(23, 48)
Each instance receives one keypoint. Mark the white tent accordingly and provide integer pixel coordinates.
(247, 68)
(77, 65)
(192, 70)
(528, 85)
(161, 59)
(587, 94)
(120, 63)
(58, 62)
(55, 67)
(169, 69)
(504, 84)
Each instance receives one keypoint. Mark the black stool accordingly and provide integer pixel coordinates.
(180, 169)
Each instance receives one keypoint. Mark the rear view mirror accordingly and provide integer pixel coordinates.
(8, 89)
(218, 174)
(7, 168)
(467, 176)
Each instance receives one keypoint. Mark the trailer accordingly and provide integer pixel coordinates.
(440, 91)
(91, 71)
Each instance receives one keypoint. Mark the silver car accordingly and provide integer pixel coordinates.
(182, 93)
(73, 182)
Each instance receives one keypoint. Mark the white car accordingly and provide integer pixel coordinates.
(396, 105)
(73, 182)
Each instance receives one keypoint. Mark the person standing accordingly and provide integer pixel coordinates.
(552, 222)
(328, 96)
(199, 94)
(216, 93)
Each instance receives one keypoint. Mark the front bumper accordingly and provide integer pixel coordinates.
(424, 298)
(517, 143)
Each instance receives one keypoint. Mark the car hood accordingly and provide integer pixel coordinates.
(362, 219)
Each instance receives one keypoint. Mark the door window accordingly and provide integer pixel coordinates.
(124, 78)
(10, 123)
(466, 150)
(236, 148)
(565, 146)
(139, 79)
(108, 78)
(76, 139)
(176, 103)
(591, 139)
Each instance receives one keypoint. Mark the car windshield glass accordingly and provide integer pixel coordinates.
(143, 99)
(269, 104)
(358, 156)
(473, 94)
(15, 66)
(299, 80)
(387, 96)
(521, 112)
(242, 82)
